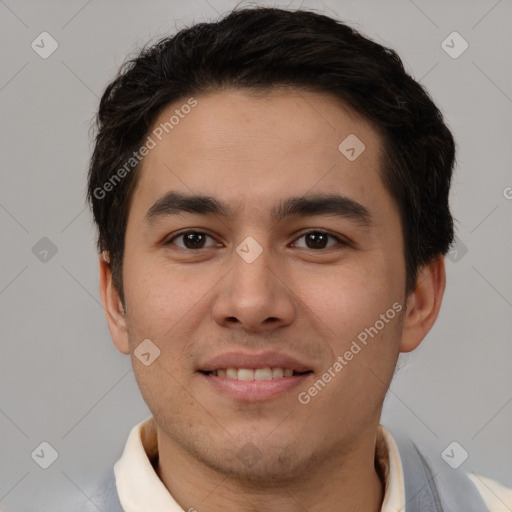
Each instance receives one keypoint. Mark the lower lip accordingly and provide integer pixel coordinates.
(254, 390)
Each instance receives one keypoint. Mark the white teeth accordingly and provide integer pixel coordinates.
(245, 374)
(277, 373)
(265, 373)
(231, 373)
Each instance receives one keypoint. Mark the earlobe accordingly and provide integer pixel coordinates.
(423, 304)
(114, 311)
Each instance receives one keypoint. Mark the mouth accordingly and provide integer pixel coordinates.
(247, 377)
(256, 374)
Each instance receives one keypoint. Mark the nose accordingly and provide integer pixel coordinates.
(254, 296)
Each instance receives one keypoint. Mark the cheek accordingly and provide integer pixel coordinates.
(158, 296)
(160, 304)
(351, 296)
(357, 307)
(165, 391)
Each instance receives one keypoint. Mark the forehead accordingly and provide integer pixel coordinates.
(284, 118)
(252, 148)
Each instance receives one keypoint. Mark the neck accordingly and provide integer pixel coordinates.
(346, 481)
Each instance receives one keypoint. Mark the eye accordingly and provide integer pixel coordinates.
(194, 240)
(319, 240)
(191, 240)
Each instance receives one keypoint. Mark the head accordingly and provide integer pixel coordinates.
(279, 124)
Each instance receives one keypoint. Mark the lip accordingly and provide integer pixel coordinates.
(252, 361)
(254, 390)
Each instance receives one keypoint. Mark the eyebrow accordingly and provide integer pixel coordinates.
(175, 203)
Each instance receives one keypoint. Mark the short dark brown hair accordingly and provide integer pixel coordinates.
(258, 49)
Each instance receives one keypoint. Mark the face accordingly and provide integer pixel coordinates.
(292, 264)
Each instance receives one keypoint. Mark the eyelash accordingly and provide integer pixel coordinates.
(338, 239)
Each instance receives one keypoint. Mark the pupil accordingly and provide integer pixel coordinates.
(314, 240)
(318, 240)
(194, 240)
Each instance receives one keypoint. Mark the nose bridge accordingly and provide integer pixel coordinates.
(252, 272)
(253, 295)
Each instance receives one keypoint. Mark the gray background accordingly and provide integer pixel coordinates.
(61, 379)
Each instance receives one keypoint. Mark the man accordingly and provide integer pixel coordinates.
(271, 193)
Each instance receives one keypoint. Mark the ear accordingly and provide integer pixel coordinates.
(113, 306)
(423, 304)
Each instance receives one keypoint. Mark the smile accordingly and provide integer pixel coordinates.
(248, 374)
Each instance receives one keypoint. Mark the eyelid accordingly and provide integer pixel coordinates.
(341, 240)
(169, 240)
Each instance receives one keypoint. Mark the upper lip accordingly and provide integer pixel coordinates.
(253, 361)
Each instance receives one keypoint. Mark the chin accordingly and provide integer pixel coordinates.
(259, 463)
(268, 470)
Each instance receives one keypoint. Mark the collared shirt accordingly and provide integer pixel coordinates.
(140, 489)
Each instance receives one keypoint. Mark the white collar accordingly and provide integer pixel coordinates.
(140, 489)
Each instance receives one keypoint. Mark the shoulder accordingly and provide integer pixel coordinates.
(105, 495)
(95, 493)
(427, 477)
(497, 497)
